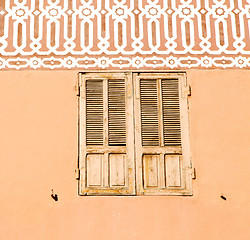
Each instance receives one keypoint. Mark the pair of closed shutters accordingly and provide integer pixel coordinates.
(134, 134)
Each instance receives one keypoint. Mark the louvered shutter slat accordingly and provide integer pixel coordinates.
(94, 112)
(149, 113)
(171, 112)
(117, 113)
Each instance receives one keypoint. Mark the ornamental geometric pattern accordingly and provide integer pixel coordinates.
(124, 34)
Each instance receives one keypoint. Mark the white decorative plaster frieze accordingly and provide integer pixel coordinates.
(102, 34)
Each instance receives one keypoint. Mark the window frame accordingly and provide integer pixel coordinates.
(186, 164)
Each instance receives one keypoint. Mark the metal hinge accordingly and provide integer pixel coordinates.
(194, 173)
(189, 90)
(77, 89)
(77, 173)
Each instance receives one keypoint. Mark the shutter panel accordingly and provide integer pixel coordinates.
(94, 112)
(106, 119)
(160, 107)
(94, 167)
(149, 113)
(173, 173)
(117, 113)
(171, 112)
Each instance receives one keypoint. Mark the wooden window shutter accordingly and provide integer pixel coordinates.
(106, 134)
(163, 164)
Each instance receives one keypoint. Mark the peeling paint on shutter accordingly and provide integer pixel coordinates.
(116, 112)
(94, 112)
(149, 112)
(171, 112)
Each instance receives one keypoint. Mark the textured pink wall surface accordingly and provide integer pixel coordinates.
(38, 152)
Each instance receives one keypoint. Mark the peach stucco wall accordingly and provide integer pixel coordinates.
(38, 152)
